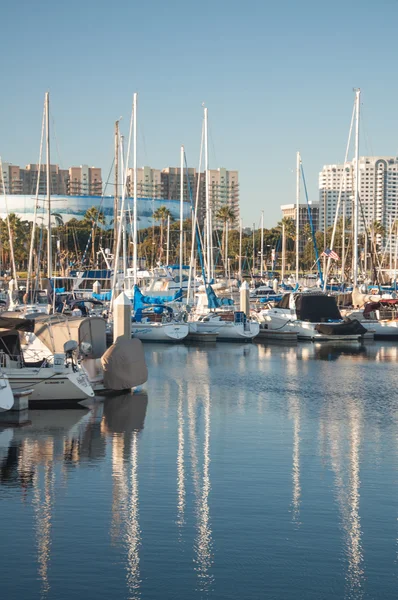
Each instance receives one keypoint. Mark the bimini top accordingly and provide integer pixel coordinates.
(55, 330)
(315, 308)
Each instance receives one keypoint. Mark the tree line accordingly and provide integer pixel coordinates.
(81, 243)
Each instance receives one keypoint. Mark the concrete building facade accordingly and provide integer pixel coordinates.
(289, 211)
(378, 191)
(83, 180)
(30, 177)
(171, 183)
(223, 191)
(149, 183)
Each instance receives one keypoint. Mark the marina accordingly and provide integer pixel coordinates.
(255, 471)
(198, 301)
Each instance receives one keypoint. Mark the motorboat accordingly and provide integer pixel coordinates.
(229, 326)
(155, 327)
(264, 293)
(314, 316)
(57, 377)
(381, 316)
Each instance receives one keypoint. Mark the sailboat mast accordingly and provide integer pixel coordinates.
(49, 241)
(240, 249)
(123, 215)
(168, 240)
(209, 236)
(116, 197)
(262, 243)
(297, 213)
(181, 210)
(356, 193)
(135, 188)
(283, 251)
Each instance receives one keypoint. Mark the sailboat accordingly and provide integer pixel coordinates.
(214, 314)
(152, 320)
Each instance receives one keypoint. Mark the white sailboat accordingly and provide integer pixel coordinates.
(148, 326)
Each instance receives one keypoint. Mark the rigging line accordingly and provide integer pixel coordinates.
(311, 225)
(32, 240)
(143, 140)
(195, 225)
(365, 132)
(212, 144)
(336, 216)
(53, 128)
(10, 237)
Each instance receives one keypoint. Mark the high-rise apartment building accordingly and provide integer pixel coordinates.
(223, 191)
(378, 191)
(84, 181)
(58, 179)
(80, 181)
(289, 211)
(11, 179)
(166, 184)
(171, 183)
(148, 183)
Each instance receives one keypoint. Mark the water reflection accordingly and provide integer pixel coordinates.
(180, 460)
(37, 458)
(344, 441)
(301, 410)
(203, 542)
(124, 418)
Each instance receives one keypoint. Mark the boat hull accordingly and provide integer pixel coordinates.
(50, 386)
(160, 332)
(226, 331)
(6, 394)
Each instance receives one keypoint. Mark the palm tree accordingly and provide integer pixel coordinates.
(226, 215)
(58, 218)
(162, 214)
(290, 228)
(93, 217)
(378, 228)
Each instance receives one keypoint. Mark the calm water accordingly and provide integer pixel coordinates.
(242, 472)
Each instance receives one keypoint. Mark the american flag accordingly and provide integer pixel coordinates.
(330, 254)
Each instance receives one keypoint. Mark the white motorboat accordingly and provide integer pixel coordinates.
(55, 378)
(160, 332)
(380, 316)
(237, 328)
(314, 316)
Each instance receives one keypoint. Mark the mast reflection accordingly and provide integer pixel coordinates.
(355, 553)
(43, 505)
(296, 467)
(123, 421)
(295, 414)
(180, 461)
(203, 542)
(133, 532)
(348, 496)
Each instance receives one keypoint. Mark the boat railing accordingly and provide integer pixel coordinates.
(5, 359)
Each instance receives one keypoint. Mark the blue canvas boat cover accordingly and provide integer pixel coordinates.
(213, 301)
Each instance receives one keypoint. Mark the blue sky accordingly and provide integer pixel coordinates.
(277, 77)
